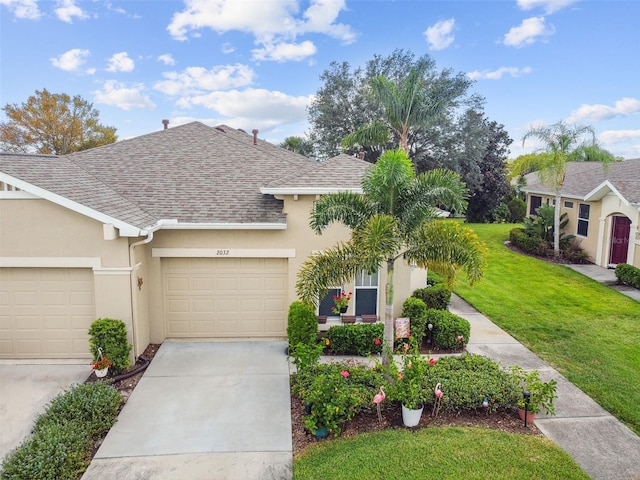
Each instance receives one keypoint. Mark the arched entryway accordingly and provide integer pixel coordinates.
(620, 228)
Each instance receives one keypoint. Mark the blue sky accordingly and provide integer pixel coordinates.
(256, 64)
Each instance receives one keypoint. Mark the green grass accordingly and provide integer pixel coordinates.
(442, 453)
(587, 331)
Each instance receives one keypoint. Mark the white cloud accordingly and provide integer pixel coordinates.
(499, 73)
(285, 51)
(67, 9)
(527, 33)
(271, 23)
(120, 62)
(440, 35)
(124, 97)
(198, 80)
(254, 105)
(591, 113)
(71, 60)
(228, 48)
(167, 59)
(609, 137)
(549, 6)
(27, 9)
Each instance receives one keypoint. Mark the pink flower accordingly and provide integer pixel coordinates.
(460, 338)
(377, 341)
(344, 373)
(432, 361)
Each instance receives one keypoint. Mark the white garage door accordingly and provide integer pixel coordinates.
(45, 312)
(225, 297)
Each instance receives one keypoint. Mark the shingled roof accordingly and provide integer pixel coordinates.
(191, 173)
(591, 181)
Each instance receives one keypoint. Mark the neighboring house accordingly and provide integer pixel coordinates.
(188, 232)
(603, 208)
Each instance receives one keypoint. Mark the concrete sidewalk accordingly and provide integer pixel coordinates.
(204, 411)
(604, 447)
(608, 277)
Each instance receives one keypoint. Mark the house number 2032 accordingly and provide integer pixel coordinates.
(222, 253)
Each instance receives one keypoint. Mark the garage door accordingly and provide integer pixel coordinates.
(45, 312)
(225, 297)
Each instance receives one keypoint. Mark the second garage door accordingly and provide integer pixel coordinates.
(225, 297)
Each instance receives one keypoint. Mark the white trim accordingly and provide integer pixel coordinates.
(51, 262)
(223, 252)
(126, 230)
(220, 226)
(17, 195)
(112, 271)
(602, 190)
(307, 190)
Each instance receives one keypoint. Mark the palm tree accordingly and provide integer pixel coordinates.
(407, 105)
(562, 144)
(393, 218)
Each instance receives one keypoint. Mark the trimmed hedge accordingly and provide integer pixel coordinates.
(446, 328)
(110, 336)
(628, 274)
(527, 244)
(356, 339)
(416, 310)
(302, 324)
(438, 296)
(64, 435)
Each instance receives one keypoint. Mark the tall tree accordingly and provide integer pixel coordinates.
(413, 103)
(561, 144)
(53, 123)
(298, 145)
(392, 219)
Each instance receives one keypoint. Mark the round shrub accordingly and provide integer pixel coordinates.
(532, 245)
(447, 329)
(517, 210)
(93, 406)
(416, 310)
(357, 339)
(468, 379)
(110, 336)
(437, 296)
(302, 324)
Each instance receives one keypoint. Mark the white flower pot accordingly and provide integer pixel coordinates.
(411, 418)
(102, 372)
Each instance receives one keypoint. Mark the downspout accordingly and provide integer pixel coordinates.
(134, 314)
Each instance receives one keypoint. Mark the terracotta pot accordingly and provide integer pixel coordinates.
(531, 416)
(348, 319)
(322, 319)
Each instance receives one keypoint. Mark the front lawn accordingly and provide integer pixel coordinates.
(587, 331)
(442, 453)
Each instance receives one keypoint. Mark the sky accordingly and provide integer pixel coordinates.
(256, 64)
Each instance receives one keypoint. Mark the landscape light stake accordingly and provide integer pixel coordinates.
(527, 396)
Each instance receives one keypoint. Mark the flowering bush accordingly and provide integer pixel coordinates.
(341, 301)
(408, 386)
(102, 362)
(356, 339)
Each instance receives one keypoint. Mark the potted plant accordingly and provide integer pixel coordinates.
(341, 303)
(101, 366)
(537, 395)
(408, 384)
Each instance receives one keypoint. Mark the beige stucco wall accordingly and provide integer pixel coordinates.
(38, 233)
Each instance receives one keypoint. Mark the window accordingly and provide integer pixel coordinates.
(536, 203)
(326, 302)
(583, 219)
(568, 204)
(367, 293)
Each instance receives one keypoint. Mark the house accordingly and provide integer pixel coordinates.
(187, 232)
(603, 208)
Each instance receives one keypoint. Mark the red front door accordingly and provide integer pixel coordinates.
(619, 240)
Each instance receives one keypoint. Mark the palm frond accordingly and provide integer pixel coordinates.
(350, 209)
(368, 135)
(439, 188)
(377, 240)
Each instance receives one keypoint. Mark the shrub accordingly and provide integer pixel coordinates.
(356, 339)
(416, 311)
(517, 210)
(408, 383)
(447, 328)
(501, 214)
(467, 380)
(628, 274)
(437, 296)
(302, 324)
(57, 451)
(337, 393)
(93, 406)
(524, 242)
(110, 336)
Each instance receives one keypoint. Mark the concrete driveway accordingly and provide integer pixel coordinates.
(217, 410)
(25, 391)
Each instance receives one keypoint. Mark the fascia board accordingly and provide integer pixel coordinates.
(218, 226)
(603, 189)
(307, 190)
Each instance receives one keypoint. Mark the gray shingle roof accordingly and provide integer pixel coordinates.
(192, 173)
(583, 178)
